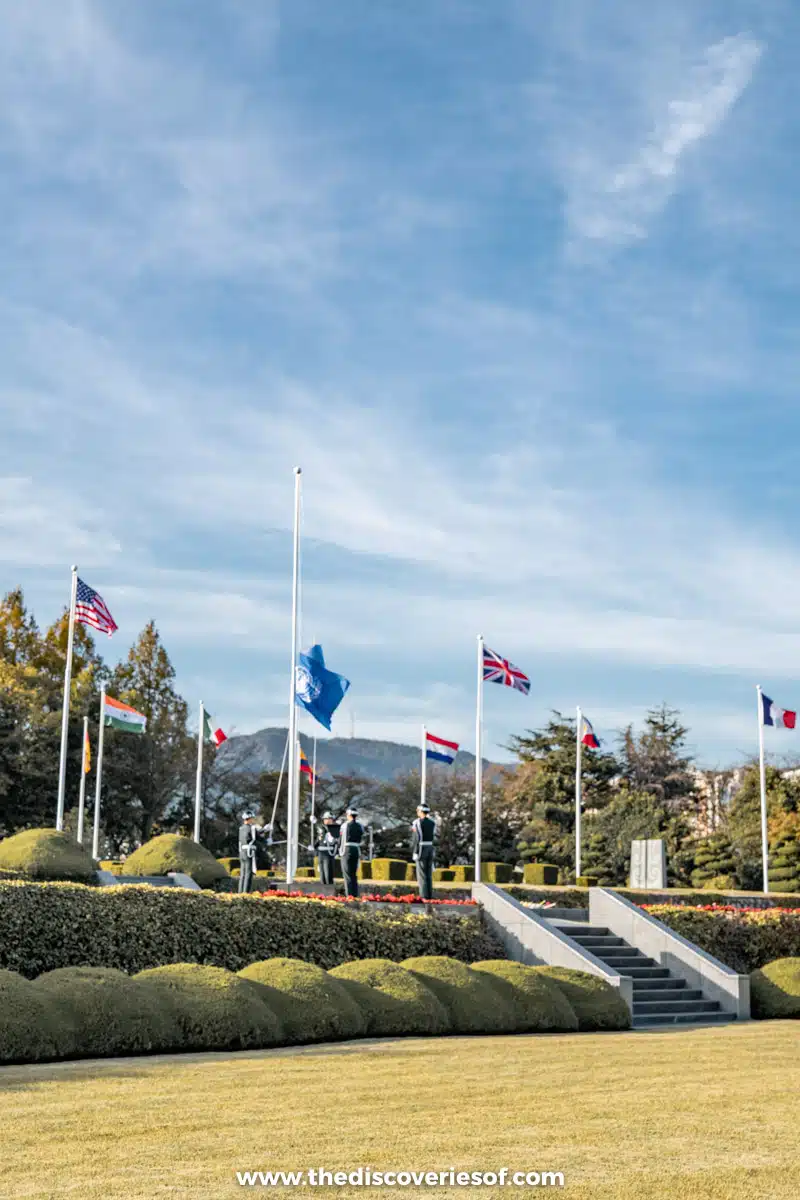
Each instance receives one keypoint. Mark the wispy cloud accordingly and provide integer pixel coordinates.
(614, 202)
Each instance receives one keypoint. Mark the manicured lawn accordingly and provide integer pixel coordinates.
(699, 1114)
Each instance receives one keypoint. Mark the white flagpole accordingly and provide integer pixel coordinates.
(578, 800)
(293, 808)
(479, 761)
(99, 780)
(198, 791)
(313, 795)
(424, 766)
(82, 793)
(62, 765)
(763, 776)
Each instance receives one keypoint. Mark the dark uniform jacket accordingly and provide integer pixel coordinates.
(423, 831)
(248, 836)
(328, 837)
(351, 835)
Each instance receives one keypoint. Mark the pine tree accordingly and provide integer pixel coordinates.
(543, 789)
(784, 854)
(656, 761)
(744, 818)
(714, 863)
(147, 778)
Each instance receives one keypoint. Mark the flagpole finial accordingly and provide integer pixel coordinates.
(298, 470)
(74, 569)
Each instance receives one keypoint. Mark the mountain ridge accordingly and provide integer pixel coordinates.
(372, 758)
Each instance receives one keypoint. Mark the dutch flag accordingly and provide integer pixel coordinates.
(772, 715)
(440, 750)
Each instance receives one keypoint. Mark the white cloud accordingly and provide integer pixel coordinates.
(612, 196)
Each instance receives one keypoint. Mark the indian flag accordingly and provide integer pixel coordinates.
(122, 716)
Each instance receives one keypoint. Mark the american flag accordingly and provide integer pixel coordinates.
(500, 670)
(90, 609)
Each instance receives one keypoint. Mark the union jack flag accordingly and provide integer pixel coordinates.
(90, 609)
(500, 670)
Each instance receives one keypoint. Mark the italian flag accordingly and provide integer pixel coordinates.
(122, 716)
(209, 733)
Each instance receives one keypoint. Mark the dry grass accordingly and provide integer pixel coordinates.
(703, 1114)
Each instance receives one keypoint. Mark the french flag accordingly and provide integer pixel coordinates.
(440, 750)
(772, 715)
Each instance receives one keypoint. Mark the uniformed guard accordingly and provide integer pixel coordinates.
(350, 852)
(249, 833)
(327, 847)
(423, 830)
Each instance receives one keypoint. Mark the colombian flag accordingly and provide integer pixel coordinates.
(305, 766)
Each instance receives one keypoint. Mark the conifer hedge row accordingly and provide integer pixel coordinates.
(92, 1012)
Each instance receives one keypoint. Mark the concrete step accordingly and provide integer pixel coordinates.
(590, 941)
(666, 983)
(631, 962)
(665, 1018)
(643, 1008)
(646, 972)
(570, 928)
(611, 953)
(645, 990)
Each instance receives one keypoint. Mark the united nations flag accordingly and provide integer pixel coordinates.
(319, 691)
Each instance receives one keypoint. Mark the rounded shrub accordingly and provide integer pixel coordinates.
(467, 996)
(596, 1004)
(170, 852)
(320, 1007)
(215, 1009)
(31, 1026)
(46, 854)
(538, 1004)
(106, 1012)
(775, 989)
(394, 1001)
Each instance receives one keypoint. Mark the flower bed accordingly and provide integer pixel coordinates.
(371, 898)
(742, 938)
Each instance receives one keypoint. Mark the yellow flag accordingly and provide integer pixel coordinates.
(87, 754)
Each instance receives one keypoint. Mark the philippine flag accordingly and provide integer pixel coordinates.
(772, 715)
(588, 735)
(440, 750)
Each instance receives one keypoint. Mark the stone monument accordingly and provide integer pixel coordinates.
(648, 865)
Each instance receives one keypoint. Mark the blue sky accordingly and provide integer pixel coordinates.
(515, 284)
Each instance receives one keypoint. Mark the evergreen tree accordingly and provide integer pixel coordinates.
(784, 854)
(147, 778)
(657, 761)
(744, 818)
(714, 863)
(543, 788)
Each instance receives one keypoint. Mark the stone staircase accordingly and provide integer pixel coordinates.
(659, 996)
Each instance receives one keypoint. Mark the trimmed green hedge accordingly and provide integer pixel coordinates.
(463, 873)
(395, 1002)
(443, 875)
(537, 1002)
(539, 873)
(586, 881)
(471, 1002)
(44, 926)
(170, 852)
(107, 1012)
(364, 870)
(775, 989)
(596, 1004)
(322, 1008)
(744, 941)
(214, 1009)
(46, 854)
(496, 872)
(74, 1013)
(389, 868)
(31, 1026)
